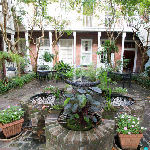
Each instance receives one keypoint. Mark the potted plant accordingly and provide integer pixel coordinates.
(11, 120)
(129, 131)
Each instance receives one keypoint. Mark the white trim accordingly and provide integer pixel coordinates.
(122, 52)
(81, 63)
(75, 40)
(50, 42)
(99, 47)
(135, 58)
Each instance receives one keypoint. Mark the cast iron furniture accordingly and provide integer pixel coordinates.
(125, 77)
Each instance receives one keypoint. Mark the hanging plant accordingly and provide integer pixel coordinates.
(48, 57)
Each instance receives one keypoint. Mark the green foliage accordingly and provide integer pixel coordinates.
(54, 90)
(119, 64)
(148, 71)
(90, 73)
(142, 80)
(104, 81)
(63, 70)
(58, 107)
(48, 57)
(120, 90)
(79, 108)
(66, 101)
(127, 124)
(11, 114)
(6, 85)
(131, 6)
(11, 57)
(88, 7)
(110, 47)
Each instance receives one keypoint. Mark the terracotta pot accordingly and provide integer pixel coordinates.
(130, 141)
(12, 128)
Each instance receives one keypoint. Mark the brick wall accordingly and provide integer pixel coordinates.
(87, 35)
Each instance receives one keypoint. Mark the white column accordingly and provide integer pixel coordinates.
(29, 66)
(74, 50)
(122, 52)
(112, 58)
(50, 44)
(99, 48)
(148, 53)
(50, 41)
(4, 45)
(12, 38)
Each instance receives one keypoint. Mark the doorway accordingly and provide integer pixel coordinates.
(129, 55)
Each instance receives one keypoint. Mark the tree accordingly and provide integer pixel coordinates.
(138, 15)
(13, 53)
(40, 18)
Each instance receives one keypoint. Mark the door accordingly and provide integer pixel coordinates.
(86, 52)
(130, 55)
(66, 51)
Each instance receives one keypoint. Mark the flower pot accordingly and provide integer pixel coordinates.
(130, 141)
(12, 128)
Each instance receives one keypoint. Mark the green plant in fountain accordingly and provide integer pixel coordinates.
(105, 86)
(80, 110)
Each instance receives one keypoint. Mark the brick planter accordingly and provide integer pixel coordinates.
(58, 137)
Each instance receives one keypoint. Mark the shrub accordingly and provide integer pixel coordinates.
(6, 85)
(142, 80)
(63, 69)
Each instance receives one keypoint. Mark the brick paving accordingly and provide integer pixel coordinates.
(27, 141)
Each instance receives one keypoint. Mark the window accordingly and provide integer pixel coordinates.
(87, 21)
(66, 50)
(129, 44)
(43, 42)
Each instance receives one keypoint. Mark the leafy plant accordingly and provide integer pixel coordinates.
(11, 114)
(120, 90)
(62, 69)
(127, 124)
(48, 57)
(79, 109)
(58, 107)
(6, 85)
(54, 90)
(43, 67)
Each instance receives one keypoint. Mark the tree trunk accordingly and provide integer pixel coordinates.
(3, 69)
